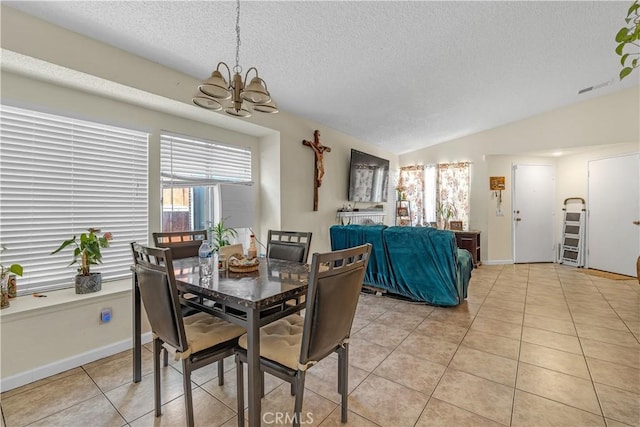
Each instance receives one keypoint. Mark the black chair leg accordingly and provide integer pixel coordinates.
(188, 398)
(166, 357)
(297, 409)
(343, 380)
(262, 384)
(221, 372)
(156, 376)
(240, 391)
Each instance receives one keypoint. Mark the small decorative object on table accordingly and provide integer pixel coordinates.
(238, 264)
(8, 280)
(455, 225)
(445, 212)
(252, 252)
(87, 253)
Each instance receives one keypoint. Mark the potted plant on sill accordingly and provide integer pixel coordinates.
(446, 211)
(7, 290)
(87, 253)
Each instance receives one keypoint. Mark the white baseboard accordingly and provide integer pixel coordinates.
(497, 262)
(54, 368)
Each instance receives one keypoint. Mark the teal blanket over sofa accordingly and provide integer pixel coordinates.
(421, 263)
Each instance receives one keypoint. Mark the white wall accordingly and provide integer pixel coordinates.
(596, 128)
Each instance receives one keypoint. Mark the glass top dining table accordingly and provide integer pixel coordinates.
(250, 300)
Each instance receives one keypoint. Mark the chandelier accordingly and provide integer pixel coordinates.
(217, 93)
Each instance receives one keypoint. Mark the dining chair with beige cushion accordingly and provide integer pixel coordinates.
(197, 340)
(183, 244)
(292, 345)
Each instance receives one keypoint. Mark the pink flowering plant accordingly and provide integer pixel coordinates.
(86, 249)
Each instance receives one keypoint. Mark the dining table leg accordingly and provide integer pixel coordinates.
(253, 367)
(137, 331)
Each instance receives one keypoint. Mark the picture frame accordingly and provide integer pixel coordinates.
(455, 225)
(402, 211)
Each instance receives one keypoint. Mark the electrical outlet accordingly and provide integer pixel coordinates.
(105, 315)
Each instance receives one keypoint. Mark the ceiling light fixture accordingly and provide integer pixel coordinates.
(215, 93)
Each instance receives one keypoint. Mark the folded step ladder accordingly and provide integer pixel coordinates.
(573, 233)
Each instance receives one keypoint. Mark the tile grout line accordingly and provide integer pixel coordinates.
(584, 356)
(449, 362)
(515, 383)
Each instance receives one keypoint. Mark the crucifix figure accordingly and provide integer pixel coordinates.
(318, 152)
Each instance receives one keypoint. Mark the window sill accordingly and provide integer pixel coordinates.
(28, 306)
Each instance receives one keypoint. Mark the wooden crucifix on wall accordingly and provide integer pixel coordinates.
(318, 153)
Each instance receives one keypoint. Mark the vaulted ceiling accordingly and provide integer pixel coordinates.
(402, 75)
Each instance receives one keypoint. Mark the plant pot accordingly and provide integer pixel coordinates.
(4, 292)
(12, 287)
(88, 284)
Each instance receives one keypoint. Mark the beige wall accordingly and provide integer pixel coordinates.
(597, 128)
(296, 175)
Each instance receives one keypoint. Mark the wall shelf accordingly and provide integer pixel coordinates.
(403, 213)
(360, 217)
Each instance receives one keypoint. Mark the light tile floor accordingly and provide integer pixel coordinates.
(533, 345)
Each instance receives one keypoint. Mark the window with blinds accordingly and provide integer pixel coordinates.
(191, 162)
(191, 171)
(60, 176)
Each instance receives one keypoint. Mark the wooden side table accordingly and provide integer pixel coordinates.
(470, 240)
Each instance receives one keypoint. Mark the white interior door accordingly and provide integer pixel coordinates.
(613, 206)
(533, 190)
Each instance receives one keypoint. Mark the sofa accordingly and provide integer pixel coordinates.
(420, 263)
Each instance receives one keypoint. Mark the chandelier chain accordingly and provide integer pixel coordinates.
(237, 68)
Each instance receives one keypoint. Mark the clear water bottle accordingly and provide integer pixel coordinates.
(204, 254)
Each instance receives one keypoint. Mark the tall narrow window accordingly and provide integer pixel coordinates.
(192, 170)
(453, 188)
(412, 182)
(430, 193)
(60, 176)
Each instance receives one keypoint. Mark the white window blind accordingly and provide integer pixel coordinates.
(60, 176)
(191, 162)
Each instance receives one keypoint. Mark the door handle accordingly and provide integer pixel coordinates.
(636, 222)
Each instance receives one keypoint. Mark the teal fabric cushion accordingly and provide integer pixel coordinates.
(420, 263)
(348, 236)
(423, 261)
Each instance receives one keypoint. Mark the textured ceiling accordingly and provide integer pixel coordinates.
(403, 75)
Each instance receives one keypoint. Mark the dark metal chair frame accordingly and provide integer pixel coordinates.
(158, 291)
(335, 283)
(285, 239)
(184, 244)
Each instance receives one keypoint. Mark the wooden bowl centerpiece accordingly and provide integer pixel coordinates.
(237, 263)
